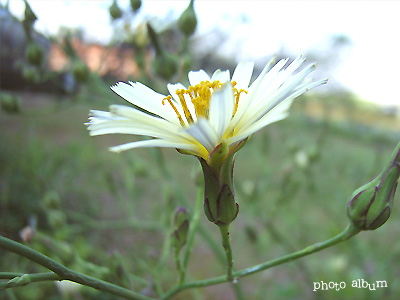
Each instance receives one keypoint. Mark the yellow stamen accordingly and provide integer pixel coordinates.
(200, 96)
(236, 95)
(169, 99)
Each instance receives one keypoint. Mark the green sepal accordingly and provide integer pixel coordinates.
(211, 191)
(227, 208)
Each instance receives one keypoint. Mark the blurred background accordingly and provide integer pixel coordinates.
(105, 214)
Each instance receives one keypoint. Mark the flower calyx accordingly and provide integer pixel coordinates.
(220, 206)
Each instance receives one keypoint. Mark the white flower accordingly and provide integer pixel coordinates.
(198, 118)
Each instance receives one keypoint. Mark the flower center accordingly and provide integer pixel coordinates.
(200, 96)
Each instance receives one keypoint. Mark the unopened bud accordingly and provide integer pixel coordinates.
(51, 200)
(115, 11)
(165, 65)
(136, 4)
(56, 218)
(80, 71)
(29, 15)
(371, 204)
(30, 74)
(187, 21)
(180, 228)
(34, 54)
(10, 103)
(141, 36)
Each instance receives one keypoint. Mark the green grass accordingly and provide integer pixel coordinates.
(293, 180)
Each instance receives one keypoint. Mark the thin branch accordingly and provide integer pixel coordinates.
(18, 279)
(349, 232)
(65, 273)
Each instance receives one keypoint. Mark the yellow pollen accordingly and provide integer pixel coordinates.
(200, 96)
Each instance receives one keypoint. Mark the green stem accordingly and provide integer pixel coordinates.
(194, 223)
(18, 279)
(228, 251)
(349, 232)
(65, 273)
(179, 267)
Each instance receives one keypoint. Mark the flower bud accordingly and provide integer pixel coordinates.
(165, 65)
(115, 11)
(220, 206)
(34, 54)
(180, 228)
(136, 4)
(51, 200)
(187, 21)
(10, 103)
(370, 205)
(56, 218)
(29, 15)
(80, 71)
(30, 73)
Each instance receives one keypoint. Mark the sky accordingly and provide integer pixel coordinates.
(369, 68)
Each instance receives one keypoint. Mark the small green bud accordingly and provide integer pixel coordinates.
(30, 74)
(56, 218)
(10, 103)
(136, 4)
(187, 21)
(80, 71)
(141, 36)
(115, 11)
(51, 200)
(371, 204)
(29, 15)
(180, 228)
(165, 65)
(34, 54)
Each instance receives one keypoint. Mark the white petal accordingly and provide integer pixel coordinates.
(242, 75)
(127, 120)
(277, 113)
(195, 77)
(269, 101)
(221, 109)
(259, 85)
(145, 98)
(98, 116)
(222, 76)
(256, 127)
(273, 90)
(204, 133)
(153, 143)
